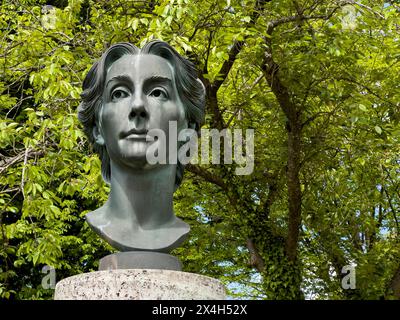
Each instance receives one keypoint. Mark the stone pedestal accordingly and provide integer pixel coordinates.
(139, 284)
(140, 260)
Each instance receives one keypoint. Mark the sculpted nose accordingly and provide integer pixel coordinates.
(138, 109)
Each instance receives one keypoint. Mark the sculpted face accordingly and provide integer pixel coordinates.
(139, 95)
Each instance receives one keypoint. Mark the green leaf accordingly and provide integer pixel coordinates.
(362, 107)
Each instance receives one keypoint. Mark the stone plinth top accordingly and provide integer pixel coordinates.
(139, 284)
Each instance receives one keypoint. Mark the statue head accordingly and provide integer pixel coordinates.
(187, 91)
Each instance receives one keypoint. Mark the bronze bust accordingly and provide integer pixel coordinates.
(126, 94)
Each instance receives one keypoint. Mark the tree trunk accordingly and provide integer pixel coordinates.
(294, 191)
(293, 128)
(294, 131)
(394, 286)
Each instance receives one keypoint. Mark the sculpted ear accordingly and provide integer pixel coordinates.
(98, 137)
(202, 84)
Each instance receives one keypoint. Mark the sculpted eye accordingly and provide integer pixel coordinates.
(159, 93)
(118, 94)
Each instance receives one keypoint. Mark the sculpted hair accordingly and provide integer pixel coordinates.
(190, 88)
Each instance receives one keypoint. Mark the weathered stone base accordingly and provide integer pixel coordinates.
(139, 284)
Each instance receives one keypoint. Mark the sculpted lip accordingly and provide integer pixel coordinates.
(135, 134)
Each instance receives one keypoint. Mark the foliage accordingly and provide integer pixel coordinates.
(323, 74)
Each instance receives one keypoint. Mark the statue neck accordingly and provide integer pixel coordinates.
(142, 197)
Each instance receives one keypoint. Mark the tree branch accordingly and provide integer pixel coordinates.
(209, 177)
(23, 171)
(378, 225)
(255, 258)
(227, 65)
(6, 162)
(212, 88)
(272, 193)
(393, 212)
(392, 3)
(368, 89)
(236, 47)
(301, 17)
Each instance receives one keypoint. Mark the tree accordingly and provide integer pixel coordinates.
(316, 80)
